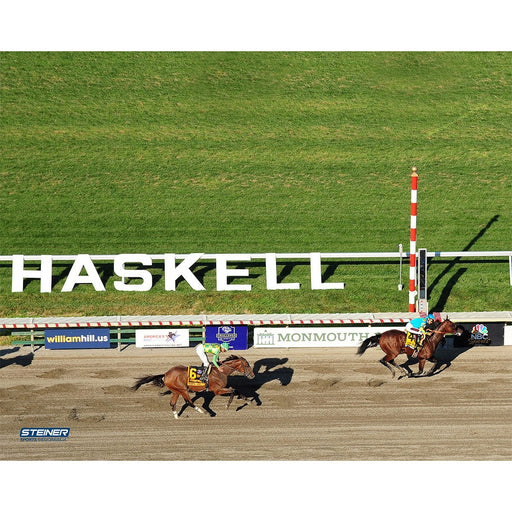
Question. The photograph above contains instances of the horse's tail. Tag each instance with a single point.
(372, 341)
(157, 380)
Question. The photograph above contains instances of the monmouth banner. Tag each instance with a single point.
(312, 337)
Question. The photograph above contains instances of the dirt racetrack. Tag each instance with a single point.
(307, 404)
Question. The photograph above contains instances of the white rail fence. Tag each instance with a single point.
(313, 257)
(342, 319)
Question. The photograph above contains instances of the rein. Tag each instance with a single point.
(227, 364)
(244, 369)
(441, 332)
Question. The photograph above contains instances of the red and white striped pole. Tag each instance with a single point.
(412, 250)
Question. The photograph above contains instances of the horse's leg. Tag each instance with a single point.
(421, 367)
(187, 398)
(389, 365)
(403, 371)
(434, 366)
(389, 362)
(231, 395)
(174, 399)
(391, 347)
(407, 368)
(176, 392)
(224, 391)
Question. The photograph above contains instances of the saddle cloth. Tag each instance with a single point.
(193, 375)
(410, 340)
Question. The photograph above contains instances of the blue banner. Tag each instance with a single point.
(236, 336)
(76, 338)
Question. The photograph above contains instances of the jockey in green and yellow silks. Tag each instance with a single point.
(210, 348)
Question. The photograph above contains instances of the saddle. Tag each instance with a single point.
(194, 374)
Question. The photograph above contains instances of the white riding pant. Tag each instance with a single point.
(202, 355)
(411, 329)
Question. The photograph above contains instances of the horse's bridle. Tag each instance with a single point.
(247, 369)
(446, 333)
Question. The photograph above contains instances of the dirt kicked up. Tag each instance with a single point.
(304, 404)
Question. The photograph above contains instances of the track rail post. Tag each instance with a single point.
(412, 250)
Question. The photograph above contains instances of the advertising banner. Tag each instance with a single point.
(479, 334)
(312, 336)
(162, 338)
(76, 338)
(236, 336)
(507, 335)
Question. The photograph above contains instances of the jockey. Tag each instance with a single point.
(418, 327)
(210, 348)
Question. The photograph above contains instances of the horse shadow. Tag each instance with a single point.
(247, 389)
(22, 360)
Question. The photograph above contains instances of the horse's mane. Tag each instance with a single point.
(232, 357)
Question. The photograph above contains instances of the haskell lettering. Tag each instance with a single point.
(83, 272)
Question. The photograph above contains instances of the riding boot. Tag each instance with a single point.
(416, 348)
(204, 377)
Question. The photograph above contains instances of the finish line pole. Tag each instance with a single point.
(412, 250)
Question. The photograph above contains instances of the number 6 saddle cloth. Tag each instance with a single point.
(194, 374)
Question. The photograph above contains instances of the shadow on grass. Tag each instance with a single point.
(445, 293)
(204, 270)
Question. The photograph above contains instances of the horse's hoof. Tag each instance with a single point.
(198, 409)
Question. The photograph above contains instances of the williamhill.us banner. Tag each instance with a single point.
(76, 338)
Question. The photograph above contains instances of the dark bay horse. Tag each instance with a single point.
(392, 342)
(176, 380)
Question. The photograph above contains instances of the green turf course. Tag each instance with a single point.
(257, 152)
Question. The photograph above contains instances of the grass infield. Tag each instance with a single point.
(109, 153)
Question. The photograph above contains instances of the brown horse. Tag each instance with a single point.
(176, 380)
(392, 342)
